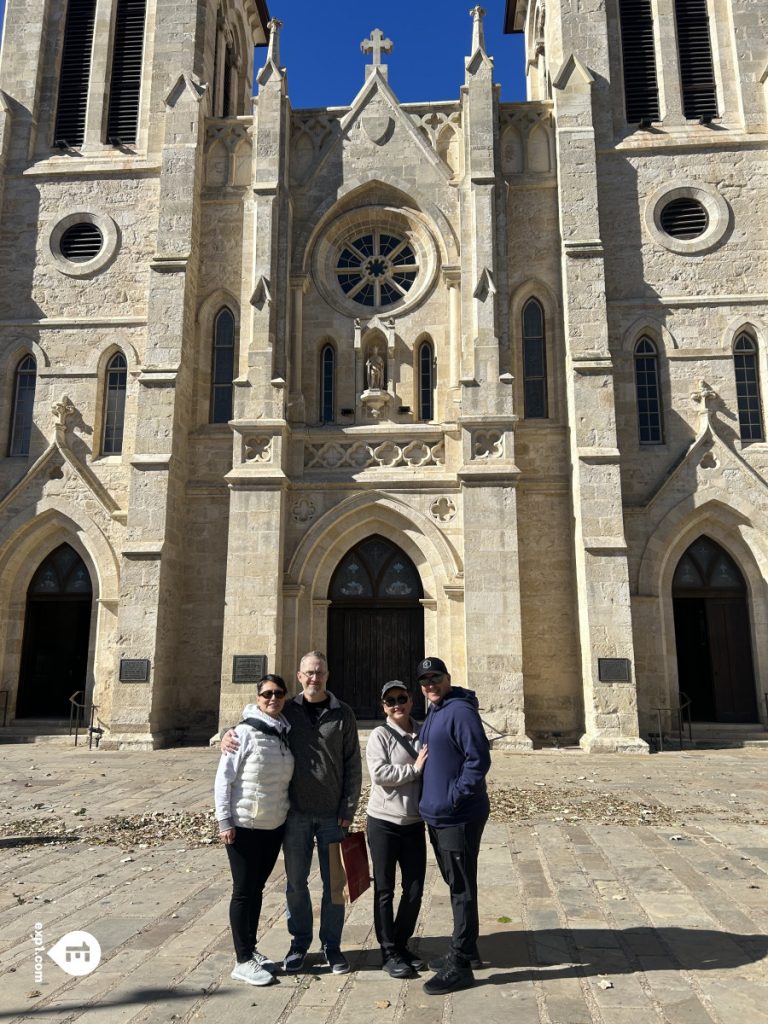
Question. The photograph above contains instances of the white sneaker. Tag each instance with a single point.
(252, 974)
(264, 962)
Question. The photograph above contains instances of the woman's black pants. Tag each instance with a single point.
(392, 845)
(251, 859)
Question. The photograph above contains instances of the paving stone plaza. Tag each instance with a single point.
(588, 914)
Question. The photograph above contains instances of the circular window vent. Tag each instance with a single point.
(684, 218)
(81, 243)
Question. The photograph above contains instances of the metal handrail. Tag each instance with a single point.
(4, 695)
(77, 719)
(683, 709)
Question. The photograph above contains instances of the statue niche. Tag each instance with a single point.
(374, 370)
(375, 396)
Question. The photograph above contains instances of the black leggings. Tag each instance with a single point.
(392, 845)
(251, 859)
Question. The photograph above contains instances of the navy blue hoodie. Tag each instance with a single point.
(459, 758)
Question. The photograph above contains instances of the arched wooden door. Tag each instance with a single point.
(375, 624)
(54, 658)
(712, 634)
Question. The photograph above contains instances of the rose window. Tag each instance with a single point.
(376, 269)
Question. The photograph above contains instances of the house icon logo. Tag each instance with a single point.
(77, 953)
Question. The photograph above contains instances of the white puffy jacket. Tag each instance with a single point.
(251, 789)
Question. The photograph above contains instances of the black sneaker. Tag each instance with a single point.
(336, 960)
(451, 978)
(396, 967)
(412, 959)
(294, 959)
(437, 963)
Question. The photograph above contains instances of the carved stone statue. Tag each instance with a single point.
(374, 370)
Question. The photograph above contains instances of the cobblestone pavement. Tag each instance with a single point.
(586, 919)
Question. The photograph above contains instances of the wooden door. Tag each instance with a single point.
(375, 625)
(369, 646)
(713, 636)
(54, 661)
(730, 649)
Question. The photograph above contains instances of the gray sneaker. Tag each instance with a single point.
(264, 962)
(252, 974)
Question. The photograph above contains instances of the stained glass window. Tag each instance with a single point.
(327, 385)
(23, 406)
(376, 269)
(426, 381)
(62, 573)
(748, 389)
(114, 404)
(534, 362)
(378, 571)
(223, 368)
(706, 565)
(647, 392)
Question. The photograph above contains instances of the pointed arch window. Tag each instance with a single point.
(638, 54)
(534, 362)
(125, 81)
(115, 384)
(328, 384)
(229, 65)
(748, 388)
(223, 366)
(697, 72)
(75, 73)
(647, 392)
(25, 380)
(426, 381)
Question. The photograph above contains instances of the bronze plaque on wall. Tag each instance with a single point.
(248, 668)
(134, 670)
(613, 670)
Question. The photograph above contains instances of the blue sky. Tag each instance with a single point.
(320, 46)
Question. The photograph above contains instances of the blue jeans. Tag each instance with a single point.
(301, 833)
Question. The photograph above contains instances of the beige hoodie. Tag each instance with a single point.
(395, 783)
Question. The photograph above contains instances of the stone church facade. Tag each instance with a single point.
(467, 378)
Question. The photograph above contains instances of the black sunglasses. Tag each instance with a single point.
(392, 701)
(269, 694)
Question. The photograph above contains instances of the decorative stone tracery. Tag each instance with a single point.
(365, 455)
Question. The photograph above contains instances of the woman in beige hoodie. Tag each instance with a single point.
(395, 759)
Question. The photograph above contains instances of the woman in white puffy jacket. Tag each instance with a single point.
(251, 795)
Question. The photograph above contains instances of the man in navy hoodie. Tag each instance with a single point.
(454, 804)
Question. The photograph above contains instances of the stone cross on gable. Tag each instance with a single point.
(376, 45)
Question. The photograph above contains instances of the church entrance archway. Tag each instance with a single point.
(54, 657)
(713, 636)
(375, 624)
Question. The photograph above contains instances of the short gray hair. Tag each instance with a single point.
(313, 654)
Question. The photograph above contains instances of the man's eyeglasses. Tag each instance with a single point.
(393, 701)
(269, 694)
(429, 680)
(314, 672)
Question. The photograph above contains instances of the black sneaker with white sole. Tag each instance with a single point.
(412, 959)
(336, 960)
(294, 960)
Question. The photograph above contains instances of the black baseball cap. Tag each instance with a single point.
(393, 684)
(431, 665)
